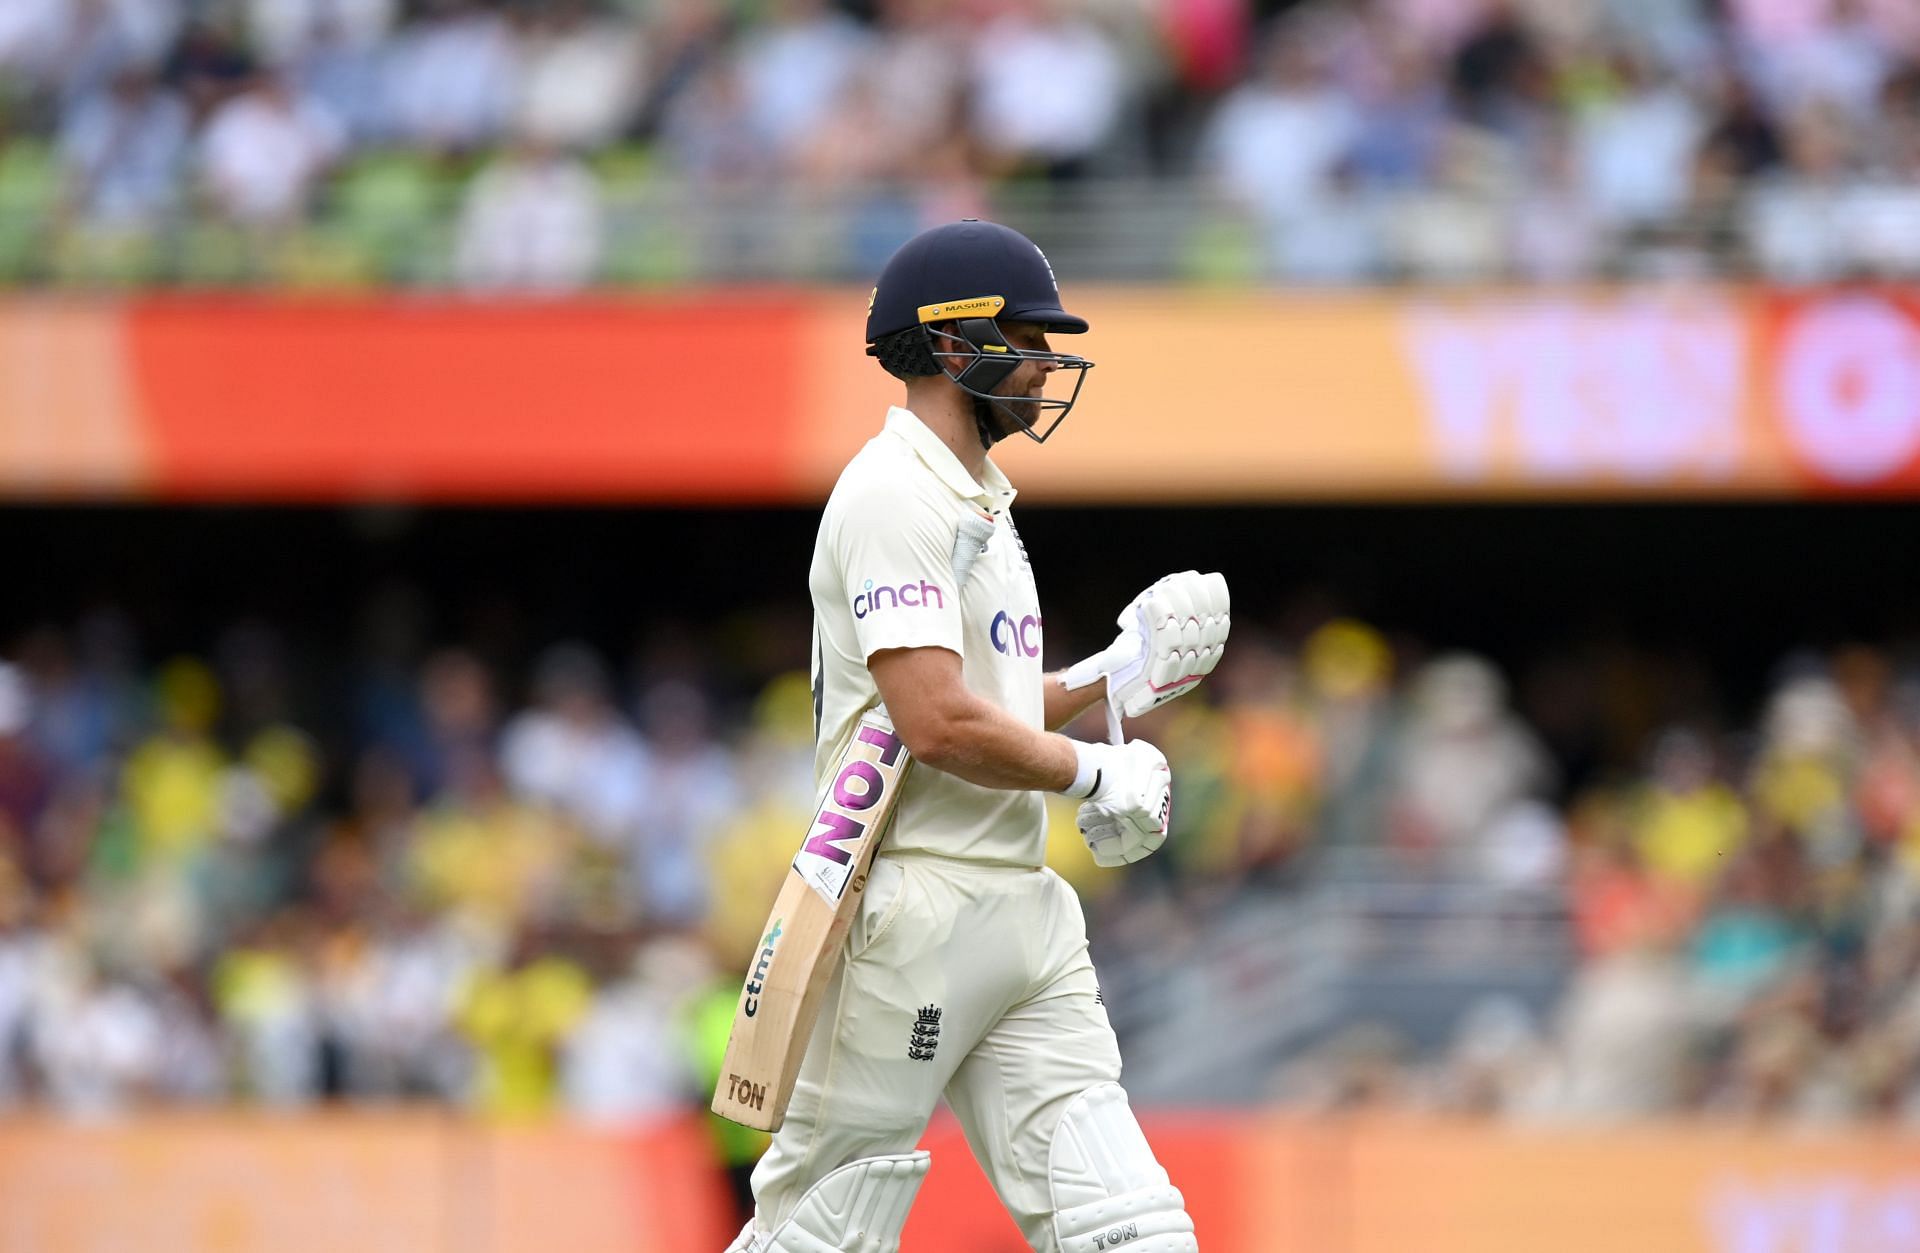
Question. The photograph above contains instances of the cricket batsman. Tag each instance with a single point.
(966, 970)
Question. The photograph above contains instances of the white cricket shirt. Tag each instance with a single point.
(883, 577)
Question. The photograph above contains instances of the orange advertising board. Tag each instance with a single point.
(1290, 1185)
(431, 1183)
(369, 1182)
(1469, 1189)
(577, 398)
(1838, 390)
(760, 396)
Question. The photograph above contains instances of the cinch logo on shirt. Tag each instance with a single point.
(1015, 637)
(923, 595)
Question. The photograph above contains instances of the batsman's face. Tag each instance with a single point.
(1029, 382)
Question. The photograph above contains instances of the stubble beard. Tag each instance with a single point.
(1014, 413)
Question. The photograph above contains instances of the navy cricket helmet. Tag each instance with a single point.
(969, 276)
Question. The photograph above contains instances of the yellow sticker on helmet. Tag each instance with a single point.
(972, 307)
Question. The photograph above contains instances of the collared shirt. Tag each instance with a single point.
(885, 576)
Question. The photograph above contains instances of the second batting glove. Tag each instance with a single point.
(1128, 795)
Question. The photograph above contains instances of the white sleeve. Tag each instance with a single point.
(894, 552)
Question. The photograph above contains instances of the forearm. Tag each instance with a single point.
(983, 744)
(949, 727)
(1063, 706)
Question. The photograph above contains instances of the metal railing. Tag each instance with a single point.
(1274, 974)
(661, 231)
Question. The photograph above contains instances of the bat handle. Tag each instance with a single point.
(1114, 734)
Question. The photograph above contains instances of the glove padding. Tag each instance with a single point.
(1171, 636)
(1125, 816)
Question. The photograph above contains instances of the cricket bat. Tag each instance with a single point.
(801, 947)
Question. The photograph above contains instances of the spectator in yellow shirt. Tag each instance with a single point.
(1687, 826)
(515, 1019)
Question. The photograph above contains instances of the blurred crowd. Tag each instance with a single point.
(435, 873)
(553, 143)
(1742, 901)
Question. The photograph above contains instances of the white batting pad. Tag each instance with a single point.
(1108, 1191)
(859, 1208)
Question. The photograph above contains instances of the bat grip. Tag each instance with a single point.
(1114, 734)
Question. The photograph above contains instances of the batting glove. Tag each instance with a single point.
(1128, 790)
(1171, 636)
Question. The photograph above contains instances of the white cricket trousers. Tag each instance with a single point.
(962, 979)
